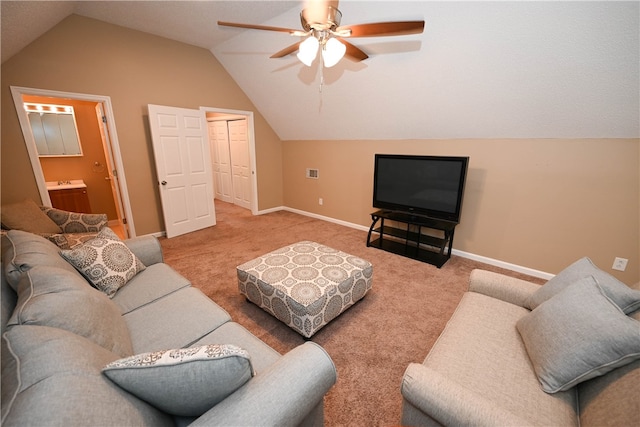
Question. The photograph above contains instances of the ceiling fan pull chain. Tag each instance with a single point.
(321, 74)
(321, 84)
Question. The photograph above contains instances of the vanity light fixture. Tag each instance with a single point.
(47, 108)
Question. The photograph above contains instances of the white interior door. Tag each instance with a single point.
(183, 165)
(221, 160)
(112, 174)
(240, 164)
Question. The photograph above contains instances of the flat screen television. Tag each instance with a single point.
(430, 186)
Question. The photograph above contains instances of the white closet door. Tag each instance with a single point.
(221, 160)
(240, 163)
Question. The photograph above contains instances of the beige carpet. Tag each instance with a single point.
(371, 343)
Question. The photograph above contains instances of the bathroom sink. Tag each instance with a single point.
(65, 185)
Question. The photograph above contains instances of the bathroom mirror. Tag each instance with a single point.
(54, 130)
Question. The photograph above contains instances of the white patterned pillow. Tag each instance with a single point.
(104, 261)
(184, 382)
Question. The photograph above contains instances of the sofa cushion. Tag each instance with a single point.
(481, 350)
(262, 356)
(105, 261)
(156, 281)
(8, 301)
(184, 382)
(22, 250)
(612, 399)
(174, 321)
(578, 334)
(626, 298)
(50, 296)
(27, 216)
(51, 376)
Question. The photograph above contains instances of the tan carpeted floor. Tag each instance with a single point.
(372, 342)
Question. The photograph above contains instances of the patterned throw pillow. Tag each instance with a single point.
(59, 239)
(105, 262)
(75, 222)
(186, 381)
(71, 240)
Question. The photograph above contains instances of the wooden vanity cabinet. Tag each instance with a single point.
(72, 199)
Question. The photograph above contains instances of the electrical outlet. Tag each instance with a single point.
(320, 201)
(620, 264)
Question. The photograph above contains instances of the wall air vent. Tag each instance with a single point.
(313, 173)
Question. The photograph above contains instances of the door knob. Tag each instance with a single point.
(164, 183)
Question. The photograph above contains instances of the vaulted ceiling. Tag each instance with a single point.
(479, 70)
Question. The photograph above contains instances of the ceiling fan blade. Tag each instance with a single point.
(354, 53)
(286, 51)
(399, 28)
(257, 27)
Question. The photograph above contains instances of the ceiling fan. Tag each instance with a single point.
(320, 21)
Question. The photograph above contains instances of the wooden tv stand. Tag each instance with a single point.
(410, 241)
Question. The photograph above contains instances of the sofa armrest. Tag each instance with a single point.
(449, 403)
(282, 395)
(505, 288)
(146, 248)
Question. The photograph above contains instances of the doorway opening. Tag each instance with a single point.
(232, 143)
(99, 167)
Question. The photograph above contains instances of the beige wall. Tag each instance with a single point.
(134, 69)
(540, 204)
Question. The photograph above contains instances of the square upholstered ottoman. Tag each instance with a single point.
(305, 285)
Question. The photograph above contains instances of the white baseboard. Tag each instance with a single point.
(502, 264)
(326, 218)
(270, 210)
(463, 254)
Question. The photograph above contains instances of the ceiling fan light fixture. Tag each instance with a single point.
(308, 50)
(320, 17)
(332, 52)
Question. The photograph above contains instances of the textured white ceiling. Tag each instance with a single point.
(192, 22)
(480, 69)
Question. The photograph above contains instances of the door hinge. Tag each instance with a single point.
(124, 220)
(104, 119)
(114, 172)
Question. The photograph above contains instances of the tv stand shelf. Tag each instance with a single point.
(409, 241)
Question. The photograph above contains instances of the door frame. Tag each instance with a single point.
(252, 149)
(113, 145)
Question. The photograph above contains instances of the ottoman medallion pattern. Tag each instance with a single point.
(305, 285)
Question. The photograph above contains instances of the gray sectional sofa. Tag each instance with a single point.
(59, 334)
(518, 354)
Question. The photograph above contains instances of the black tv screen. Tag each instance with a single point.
(431, 186)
